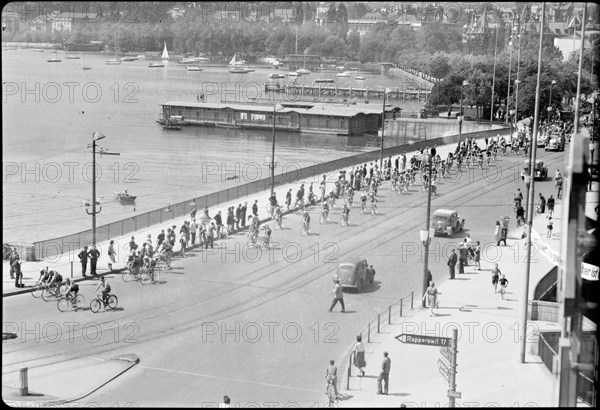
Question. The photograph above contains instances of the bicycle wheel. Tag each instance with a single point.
(37, 291)
(95, 305)
(112, 301)
(127, 276)
(63, 305)
(48, 294)
(146, 279)
(322, 219)
(79, 301)
(156, 275)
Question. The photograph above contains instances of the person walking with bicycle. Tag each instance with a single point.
(331, 377)
(104, 288)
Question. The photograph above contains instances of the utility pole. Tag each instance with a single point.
(273, 155)
(531, 192)
(494, 79)
(427, 240)
(382, 131)
(578, 97)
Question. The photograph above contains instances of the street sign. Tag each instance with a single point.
(444, 370)
(446, 353)
(424, 340)
(454, 394)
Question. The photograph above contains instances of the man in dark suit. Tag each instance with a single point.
(462, 257)
(244, 210)
(238, 216)
(93, 254)
(452, 262)
(83, 257)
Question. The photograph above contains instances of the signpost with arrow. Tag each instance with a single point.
(449, 350)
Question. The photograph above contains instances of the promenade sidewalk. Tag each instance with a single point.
(68, 264)
(65, 382)
(489, 371)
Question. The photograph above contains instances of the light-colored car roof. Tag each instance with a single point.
(445, 212)
(352, 260)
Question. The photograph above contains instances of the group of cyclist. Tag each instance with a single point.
(51, 278)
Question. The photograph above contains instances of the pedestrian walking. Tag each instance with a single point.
(219, 222)
(452, 263)
(94, 254)
(384, 374)
(83, 258)
(132, 244)
(550, 205)
(244, 210)
(111, 255)
(331, 375)
(238, 217)
(359, 356)
(193, 229)
(338, 296)
(432, 297)
(503, 284)
(255, 208)
(210, 235)
(462, 257)
(13, 257)
(495, 277)
(549, 226)
(193, 209)
(477, 256)
(542, 205)
(226, 403)
(160, 238)
(16, 267)
(288, 199)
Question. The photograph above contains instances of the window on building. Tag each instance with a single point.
(258, 117)
(243, 116)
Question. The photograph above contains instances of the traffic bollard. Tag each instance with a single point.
(390, 315)
(23, 389)
(378, 321)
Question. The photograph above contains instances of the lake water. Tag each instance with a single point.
(51, 110)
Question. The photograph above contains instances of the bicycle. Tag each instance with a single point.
(363, 207)
(344, 220)
(132, 272)
(278, 221)
(304, 229)
(149, 275)
(373, 208)
(224, 232)
(331, 395)
(52, 291)
(324, 217)
(38, 288)
(97, 302)
(163, 261)
(68, 300)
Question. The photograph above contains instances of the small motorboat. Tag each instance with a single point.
(55, 59)
(276, 75)
(72, 57)
(156, 65)
(128, 58)
(172, 126)
(124, 197)
(193, 68)
(113, 61)
(344, 74)
(227, 125)
(359, 77)
(293, 74)
(238, 70)
(303, 71)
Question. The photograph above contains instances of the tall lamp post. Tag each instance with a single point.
(428, 232)
(550, 100)
(387, 90)
(273, 163)
(517, 80)
(494, 79)
(96, 136)
(460, 114)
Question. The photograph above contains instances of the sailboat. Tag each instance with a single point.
(114, 61)
(237, 66)
(55, 59)
(303, 70)
(84, 67)
(165, 53)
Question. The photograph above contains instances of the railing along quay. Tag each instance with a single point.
(374, 327)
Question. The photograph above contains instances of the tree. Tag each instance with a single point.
(353, 45)
(342, 17)
(438, 65)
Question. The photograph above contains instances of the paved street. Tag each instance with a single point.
(257, 327)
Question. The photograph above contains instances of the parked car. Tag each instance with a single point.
(541, 172)
(355, 273)
(447, 222)
(556, 142)
(542, 140)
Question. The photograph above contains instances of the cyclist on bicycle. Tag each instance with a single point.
(72, 290)
(56, 278)
(518, 197)
(306, 221)
(503, 284)
(363, 201)
(325, 210)
(373, 202)
(350, 195)
(345, 213)
(45, 276)
(103, 287)
(278, 215)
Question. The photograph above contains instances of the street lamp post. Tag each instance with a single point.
(460, 114)
(382, 130)
(508, 91)
(517, 80)
(273, 155)
(494, 80)
(428, 232)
